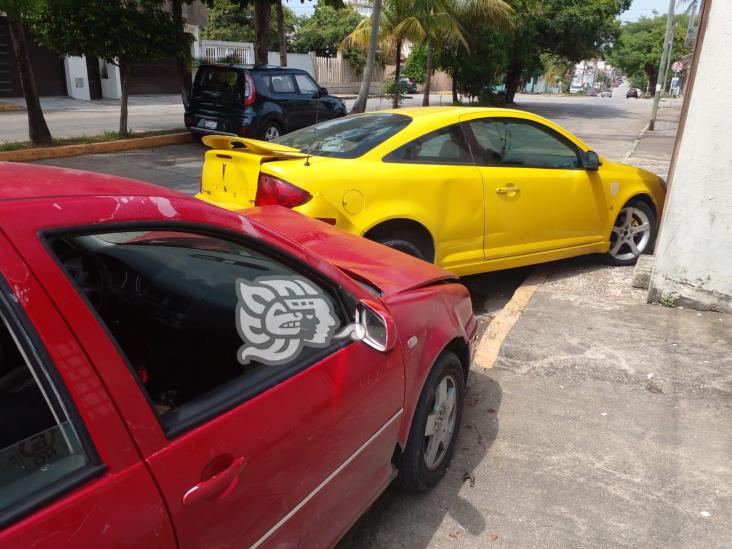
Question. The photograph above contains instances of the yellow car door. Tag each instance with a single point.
(538, 196)
(448, 189)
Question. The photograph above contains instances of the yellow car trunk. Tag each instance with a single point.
(231, 169)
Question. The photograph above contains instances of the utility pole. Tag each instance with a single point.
(668, 61)
(667, 41)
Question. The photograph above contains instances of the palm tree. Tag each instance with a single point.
(368, 71)
(433, 21)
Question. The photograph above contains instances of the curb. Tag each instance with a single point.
(490, 344)
(10, 107)
(26, 155)
(630, 152)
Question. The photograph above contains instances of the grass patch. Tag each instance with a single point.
(85, 139)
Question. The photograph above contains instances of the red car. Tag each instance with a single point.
(177, 375)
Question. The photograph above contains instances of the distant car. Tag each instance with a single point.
(177, 375)
(607, 93)
(632, 92)
(408, 84)
(592, 92)
(262, 103)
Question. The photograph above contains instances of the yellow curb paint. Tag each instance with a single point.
(26, 155)
(492, 340)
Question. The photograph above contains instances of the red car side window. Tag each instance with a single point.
(38, 443)
(174, 303)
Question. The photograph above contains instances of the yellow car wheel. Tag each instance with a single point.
(633, 233)
(406, 237)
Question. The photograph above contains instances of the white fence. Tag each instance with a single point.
(213, 51)
(334, 72)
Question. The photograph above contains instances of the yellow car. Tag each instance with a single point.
(470, 189)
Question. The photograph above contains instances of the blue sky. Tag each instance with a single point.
(637, 9)
(641, 8)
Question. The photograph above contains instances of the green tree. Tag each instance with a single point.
(571, 29)
(435, 21)
(638, 48)
(19, 12)
(325, 29)
(472, 74)
(231, 23)
(120, 31)
(416, 65)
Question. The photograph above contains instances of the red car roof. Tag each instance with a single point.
(22, 181)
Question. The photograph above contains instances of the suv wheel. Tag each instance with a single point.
(271, 131)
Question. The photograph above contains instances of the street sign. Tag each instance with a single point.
(678, 66)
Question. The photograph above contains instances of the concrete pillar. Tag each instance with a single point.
(694, 250)
(77, 79)
(111, 80)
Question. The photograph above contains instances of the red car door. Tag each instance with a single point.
(70, 475)
(285, 451)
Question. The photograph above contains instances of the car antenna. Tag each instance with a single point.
(310, 144)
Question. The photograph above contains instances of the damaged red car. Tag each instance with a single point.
(177, 375)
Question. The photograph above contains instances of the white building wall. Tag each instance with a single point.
(77, 80)
(694, 251)
(111, 80)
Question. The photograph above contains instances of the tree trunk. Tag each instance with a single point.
(262, 14)
(397, 73)
(124, 69)
(37, 128)
(181, 59)
(455, 98)
(427, 82)
(652, 74)
(368, 71)
(513, 78)
(282, 39)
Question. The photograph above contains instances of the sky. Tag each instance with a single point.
(637, 9)
(640, 8)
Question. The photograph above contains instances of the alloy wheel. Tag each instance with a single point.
(272, 132)
(440, 425)
(630, 235)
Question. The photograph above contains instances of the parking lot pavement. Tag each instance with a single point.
(175, 166)
(605, 423)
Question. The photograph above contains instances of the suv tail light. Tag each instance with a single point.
(275, 192)
(250, 94)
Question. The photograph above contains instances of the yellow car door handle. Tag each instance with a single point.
(506, 190)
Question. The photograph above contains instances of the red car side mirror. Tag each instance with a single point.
(375, 326)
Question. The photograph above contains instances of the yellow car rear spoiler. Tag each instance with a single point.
(253, 146)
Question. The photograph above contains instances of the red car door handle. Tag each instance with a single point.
(226, 480)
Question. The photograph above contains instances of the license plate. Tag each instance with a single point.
(210, 124)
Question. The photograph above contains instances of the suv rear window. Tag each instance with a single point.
(348, 137)
(214, 78)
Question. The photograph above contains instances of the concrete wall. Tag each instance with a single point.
(304, 61)
(694, 251)
(77, 79)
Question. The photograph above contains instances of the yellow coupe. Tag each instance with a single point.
(470, 189)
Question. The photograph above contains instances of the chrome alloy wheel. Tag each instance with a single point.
(440, 425)
(272, 132)
(630, 235)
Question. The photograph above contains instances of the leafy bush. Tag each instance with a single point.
(416, 65)
(389, 88)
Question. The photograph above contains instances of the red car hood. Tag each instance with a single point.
(389, 270)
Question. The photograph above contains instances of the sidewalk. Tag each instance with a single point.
(617, 429)
(653, 149)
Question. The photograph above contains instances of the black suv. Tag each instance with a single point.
(258, 102)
